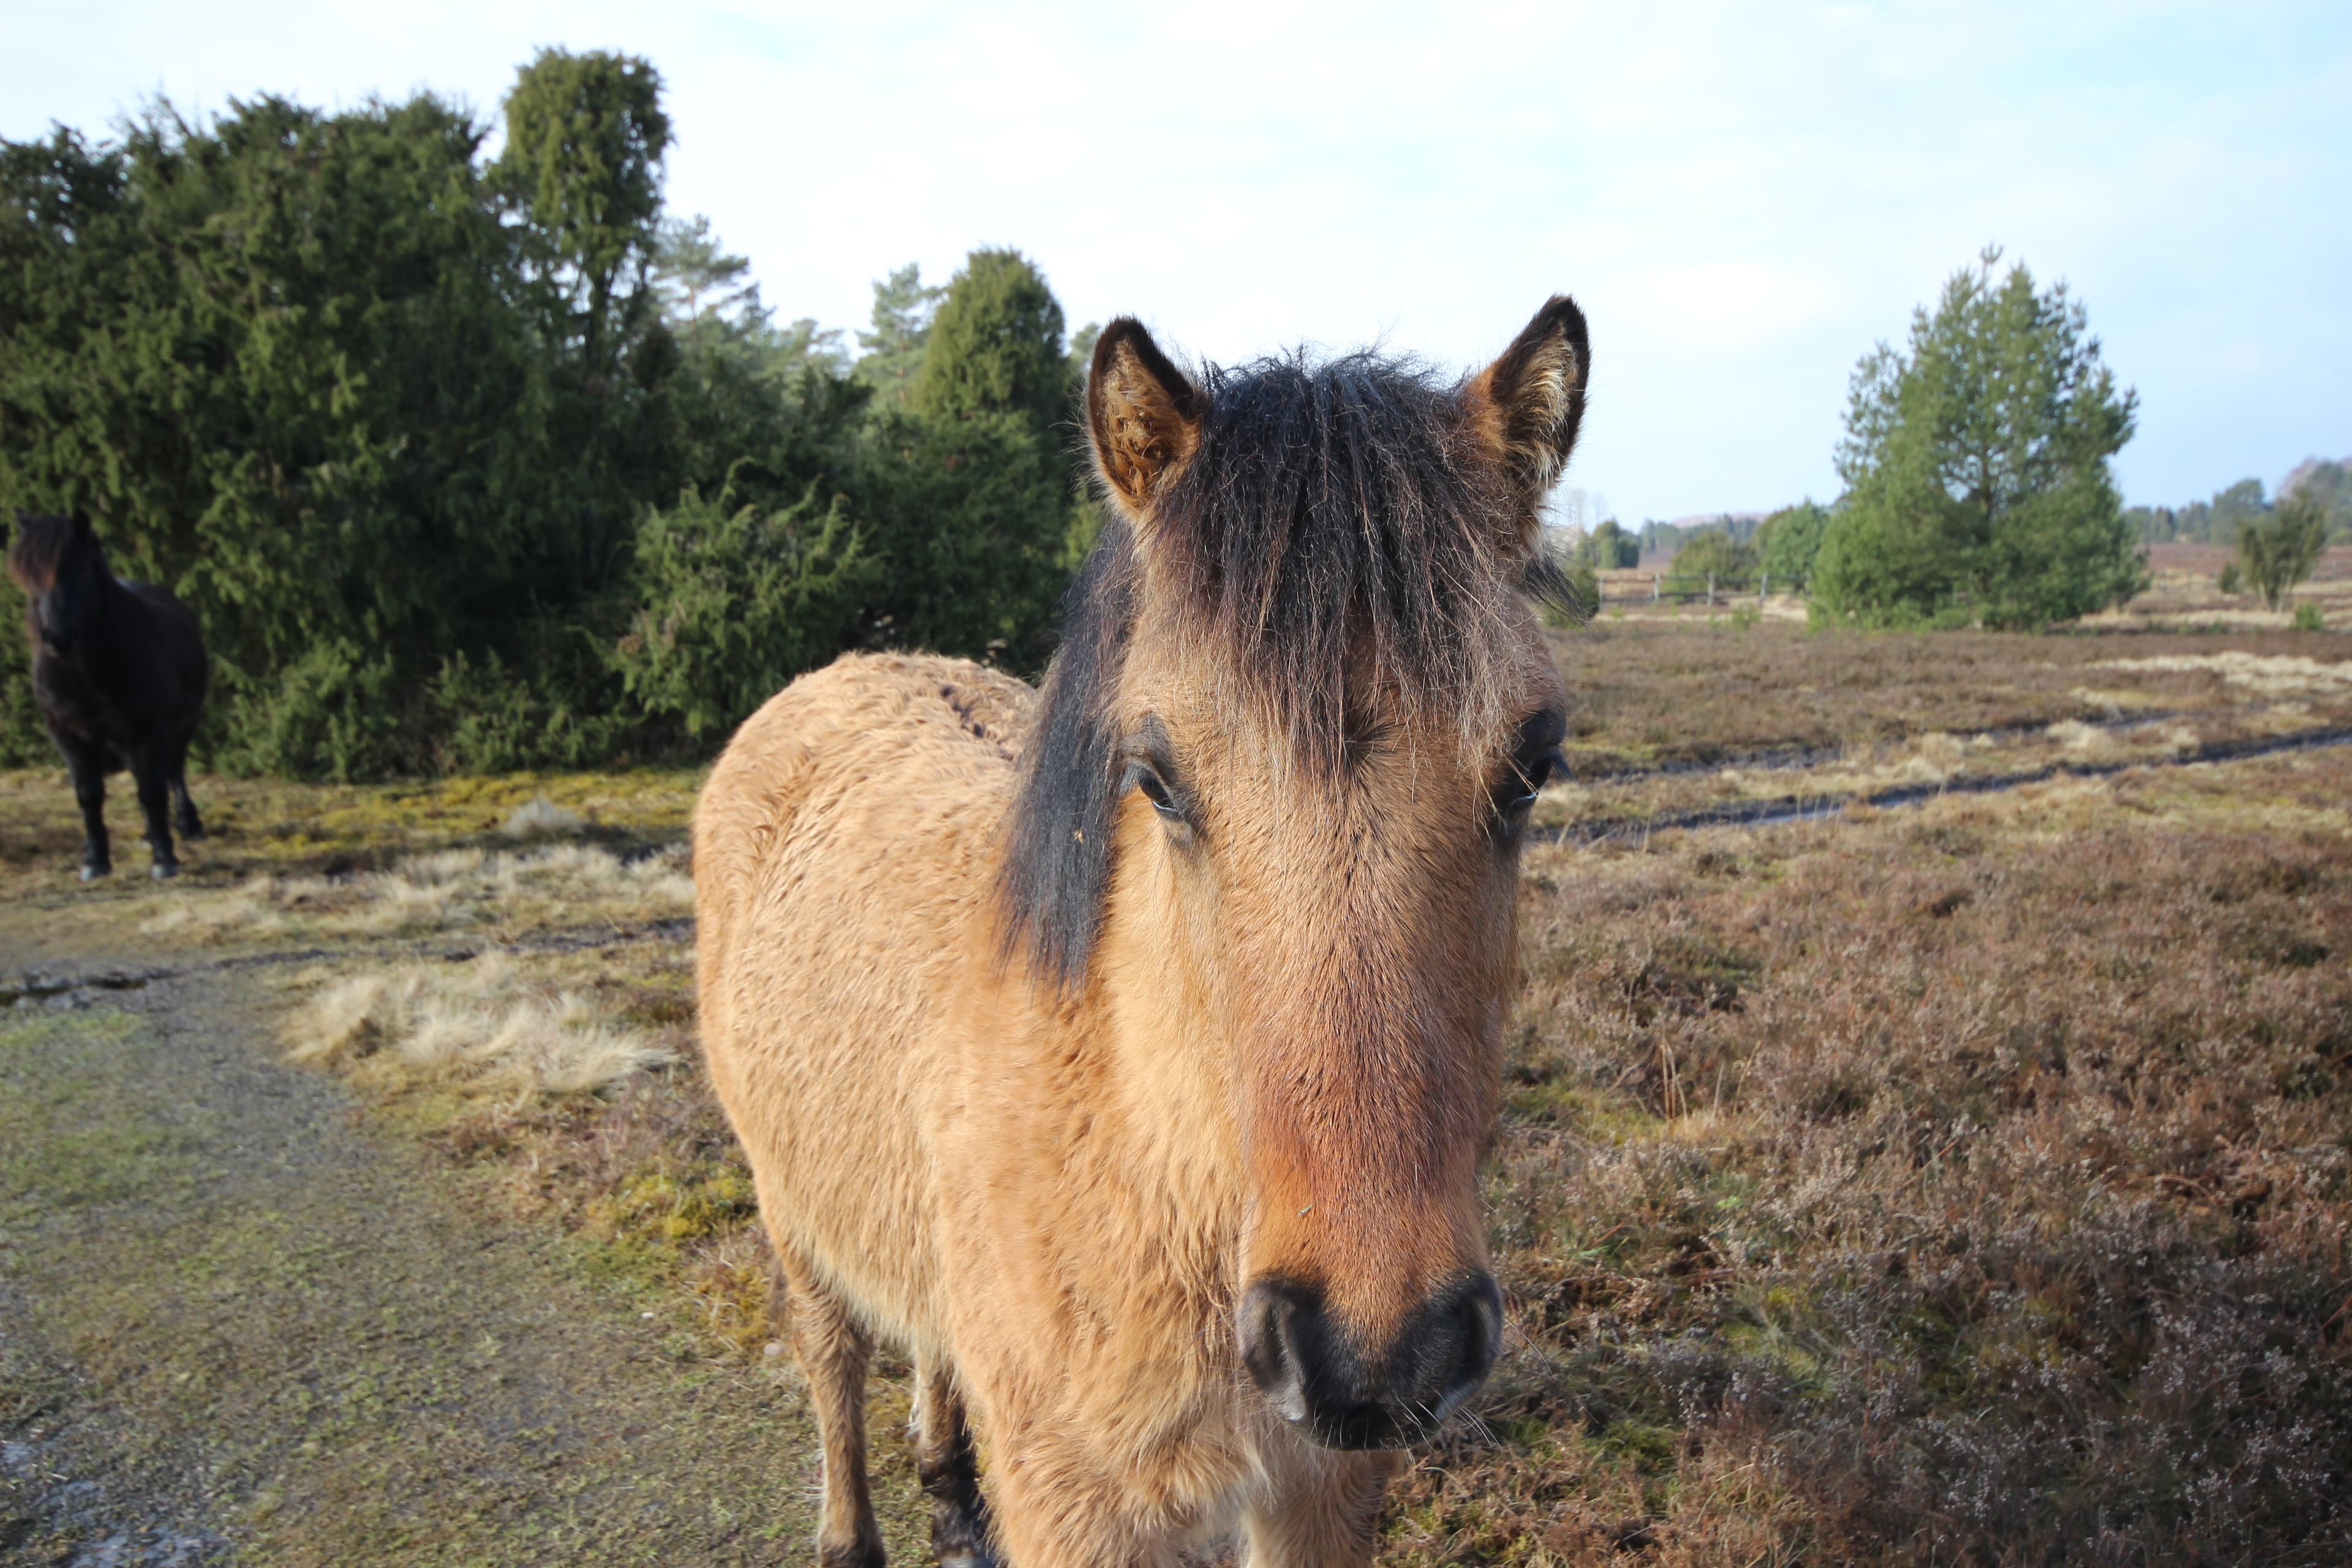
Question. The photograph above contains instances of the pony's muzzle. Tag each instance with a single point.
(1343, 1394)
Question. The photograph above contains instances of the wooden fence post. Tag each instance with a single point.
(1654, 587)
(1710, 590)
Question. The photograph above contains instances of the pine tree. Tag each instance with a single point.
(892, 346)
(995, 347)
(973, 486)
(1975, 467)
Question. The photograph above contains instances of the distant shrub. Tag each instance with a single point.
(2307, 617)
(2232, 579)
(483, 716)
(1610, 548)
(1787, 542)
(2278, 551)
(23, 742)
(1713, 552)
(330, 713)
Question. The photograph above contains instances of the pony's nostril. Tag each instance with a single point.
(1481, 1316)
(1268, 1348)
(1445, 1363)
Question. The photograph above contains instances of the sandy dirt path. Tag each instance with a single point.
(237, 1325)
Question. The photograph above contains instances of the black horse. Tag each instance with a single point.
(119, 673)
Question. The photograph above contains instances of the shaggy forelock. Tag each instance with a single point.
(1340, 523)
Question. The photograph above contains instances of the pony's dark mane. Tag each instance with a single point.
(1057, 840)
(1336, 520)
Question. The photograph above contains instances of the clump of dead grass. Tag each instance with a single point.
(445, 890)
(2083, 740)
(2267, 675)
(480, 1022)
(539, 815)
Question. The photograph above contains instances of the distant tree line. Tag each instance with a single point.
(472, 464)
(2326, 485)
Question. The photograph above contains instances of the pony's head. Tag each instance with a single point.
(58, 563)
(1272, 811)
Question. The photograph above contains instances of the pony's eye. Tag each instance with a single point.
(1155, 790)
(1529, 775)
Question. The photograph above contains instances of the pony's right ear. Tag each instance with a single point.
(1143, 415)
(82, 520)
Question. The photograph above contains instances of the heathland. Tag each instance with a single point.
(1958, 1178)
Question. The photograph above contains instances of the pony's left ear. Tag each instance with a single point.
(1526, 406)
(82, 520)
(1143, 415)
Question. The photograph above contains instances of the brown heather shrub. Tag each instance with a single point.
(1947, 1188)
(1675, 691)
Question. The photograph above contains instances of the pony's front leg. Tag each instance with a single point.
(150, 771)
(87, 763)
(1321, 1510)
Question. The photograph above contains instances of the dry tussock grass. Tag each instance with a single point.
(483, 1022)
(1967, 1185)
(2271, 675)
(450, 890)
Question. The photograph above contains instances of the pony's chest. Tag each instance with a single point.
(73, 702)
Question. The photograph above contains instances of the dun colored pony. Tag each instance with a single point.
(119, 672)
(1125, 1050)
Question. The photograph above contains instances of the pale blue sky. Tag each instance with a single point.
(1743, 197)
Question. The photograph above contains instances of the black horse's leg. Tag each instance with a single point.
(190, 825)
(150, 762)
(87, 763)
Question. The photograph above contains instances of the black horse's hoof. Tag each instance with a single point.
(165, 870)
(192, 829)
(91, 873)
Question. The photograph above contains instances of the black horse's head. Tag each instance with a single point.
(58, 563)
